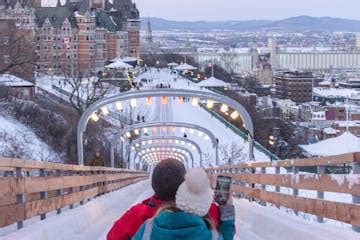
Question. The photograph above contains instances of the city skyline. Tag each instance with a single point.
(246, 10)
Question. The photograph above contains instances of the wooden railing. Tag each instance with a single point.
(31, 188)
(263, 181)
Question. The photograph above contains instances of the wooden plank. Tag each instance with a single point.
(38, 207)
(343, 212)
(307, 162)
(11, 185)
(11, 214)
(30, 164)
(340, 183)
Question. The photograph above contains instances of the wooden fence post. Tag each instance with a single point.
(71, 190)
(20, 198)
(59, 191)
(356, 198)
(263, 186)
(320, 194)
(277, 188)
(43, 195)
(295, 190)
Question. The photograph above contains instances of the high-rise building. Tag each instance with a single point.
(358, 41)
(264, 69)
(272, 46)
(294, 85)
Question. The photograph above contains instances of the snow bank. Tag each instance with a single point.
(17, 140)
(345, 143)
(255, 222)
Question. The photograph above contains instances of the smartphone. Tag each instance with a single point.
(222, 189)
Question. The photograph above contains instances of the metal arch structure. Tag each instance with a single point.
(140, 126)
(200, 95)
(162, 148)
(161, 152)
(165, 124)
(167, 138)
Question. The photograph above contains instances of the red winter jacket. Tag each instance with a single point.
(126, 227)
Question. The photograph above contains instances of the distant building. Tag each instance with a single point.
(19, 87)
(265, 72)
(351, 83)
(272, 46)
(79, 36)
(294, 85)
(357, 44)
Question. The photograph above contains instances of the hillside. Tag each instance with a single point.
(300, 23)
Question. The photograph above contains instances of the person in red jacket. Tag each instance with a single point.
(166, 178)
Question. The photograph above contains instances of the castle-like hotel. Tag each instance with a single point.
(78, 35)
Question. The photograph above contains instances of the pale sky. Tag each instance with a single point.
(247, 9)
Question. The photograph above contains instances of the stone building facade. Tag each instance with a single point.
(79, 37)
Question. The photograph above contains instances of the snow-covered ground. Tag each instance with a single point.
(17, 140)
(253, 222)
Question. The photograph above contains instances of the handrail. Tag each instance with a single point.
(31, 188)
(263, 181)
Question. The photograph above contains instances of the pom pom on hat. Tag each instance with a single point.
(195, 194)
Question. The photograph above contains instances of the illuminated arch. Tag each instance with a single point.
(195, 95)
(177, 141)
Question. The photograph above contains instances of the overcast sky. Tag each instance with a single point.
(247, 9)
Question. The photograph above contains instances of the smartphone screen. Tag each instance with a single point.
(222, 189)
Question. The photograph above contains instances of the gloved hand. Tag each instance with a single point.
(227, 211)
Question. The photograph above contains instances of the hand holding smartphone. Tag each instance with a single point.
(222, 189)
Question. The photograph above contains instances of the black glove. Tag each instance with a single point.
(227, 212)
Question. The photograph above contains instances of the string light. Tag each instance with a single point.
(104, 110)
(195, 102)
(119, 106)
(210, 104)
(234, 115)
(164, 100)
(133, 102)
(224, 108)
(149, 101)
(94, 117)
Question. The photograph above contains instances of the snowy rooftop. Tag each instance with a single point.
(124, 59)
(335, 92)
(173, 64)
(330, 130)
(185, 66)
(212, 82)
(119, 64)
(345, 143)
(348, 123)
(14, 81)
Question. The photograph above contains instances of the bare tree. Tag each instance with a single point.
(228, 58)
(232, 154)
(18, 50)
(84, 91)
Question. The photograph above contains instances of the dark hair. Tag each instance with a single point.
(166, 179)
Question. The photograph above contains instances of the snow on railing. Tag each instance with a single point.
(257, 180)
(31, 188)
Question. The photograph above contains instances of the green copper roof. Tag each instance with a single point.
(56, 15)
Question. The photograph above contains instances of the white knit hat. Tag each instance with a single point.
(195, 194)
